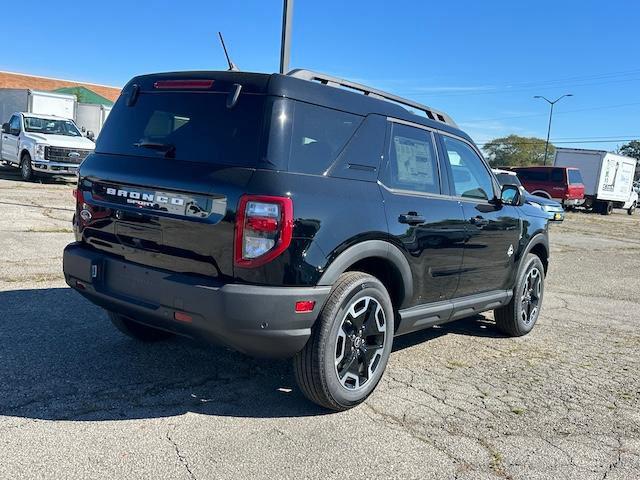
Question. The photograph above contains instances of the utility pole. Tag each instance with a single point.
(552, 103)
(285, 48)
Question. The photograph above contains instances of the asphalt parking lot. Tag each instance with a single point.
(79, 400)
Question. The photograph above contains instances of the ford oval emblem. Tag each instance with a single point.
(74, 155)
(85, 215)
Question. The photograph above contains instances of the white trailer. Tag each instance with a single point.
(607, 177)
(37, 102)
(90, 117)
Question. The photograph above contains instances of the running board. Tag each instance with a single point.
(425, 316)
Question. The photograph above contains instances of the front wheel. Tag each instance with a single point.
(350, 344)
(26, 171)
(632, 209)
(519, 316)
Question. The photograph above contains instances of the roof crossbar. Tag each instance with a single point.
(371, 92)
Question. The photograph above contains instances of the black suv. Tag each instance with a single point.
(297, 216)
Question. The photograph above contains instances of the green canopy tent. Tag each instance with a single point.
(84, 95)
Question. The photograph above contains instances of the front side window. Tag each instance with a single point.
(471, 179)
(14, 124)
(412, 161)
(557, 175)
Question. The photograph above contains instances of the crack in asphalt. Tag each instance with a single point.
(181, 457)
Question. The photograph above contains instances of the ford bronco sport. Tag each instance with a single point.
(298, 216)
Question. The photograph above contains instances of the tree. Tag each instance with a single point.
(632, 149)
(517, 151)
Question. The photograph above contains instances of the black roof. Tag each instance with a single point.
(299, 89)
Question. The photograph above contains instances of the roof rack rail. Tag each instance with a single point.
(371, 92)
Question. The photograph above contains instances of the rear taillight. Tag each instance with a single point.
(264, 226)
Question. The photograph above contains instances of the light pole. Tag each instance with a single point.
(285, 46)
(552, 103)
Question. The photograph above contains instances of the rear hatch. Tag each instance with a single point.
(575, 184)
(170, 164)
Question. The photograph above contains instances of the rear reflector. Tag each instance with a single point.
(305, 306)
(183, 84)
(182, 317)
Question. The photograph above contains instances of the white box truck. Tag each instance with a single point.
(607, 178)
(37, 102)
(90, 117)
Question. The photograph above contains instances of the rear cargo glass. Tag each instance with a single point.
(186, 126)
(575, 177)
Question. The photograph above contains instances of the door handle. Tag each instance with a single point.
(479, 221)
(411, 218)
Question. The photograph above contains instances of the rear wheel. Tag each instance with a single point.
(521, 314)
(137, 330)
(26, 171)
(605, 208)
(350, 344)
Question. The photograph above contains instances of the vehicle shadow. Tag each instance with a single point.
(11, 173)
(60, 359)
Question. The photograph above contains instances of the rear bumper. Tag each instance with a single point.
(256, 320)
(572, 202)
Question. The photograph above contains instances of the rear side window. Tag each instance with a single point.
(186, 126)
(557, 175)
(534, 175)
(317, 137)
(412, 161)
(575, 177)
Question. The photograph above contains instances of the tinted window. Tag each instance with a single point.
(189, 126)
(534, 175)
(412, 161)
(14, 123)
(575, 176)
(557, 175)
(506, 179)
(471, 178)
(318, 136)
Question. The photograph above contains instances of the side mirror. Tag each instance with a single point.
(511, 195)
(5, 128)
(90, 135)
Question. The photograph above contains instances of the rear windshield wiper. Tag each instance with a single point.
(168, 149)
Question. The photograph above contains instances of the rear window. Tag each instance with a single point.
(186, 126)
(575, 177)
(506, 179)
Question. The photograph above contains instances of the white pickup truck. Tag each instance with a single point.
(43, 144)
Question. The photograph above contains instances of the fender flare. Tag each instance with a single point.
(369, 249)
(538, 239)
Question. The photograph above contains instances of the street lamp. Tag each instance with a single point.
(552, 103)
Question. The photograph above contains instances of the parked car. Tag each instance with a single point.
(561, 184)
(43, 144)
(608, 178)
(299, 216)
(552, 209)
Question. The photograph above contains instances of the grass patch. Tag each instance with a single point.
(50, 230)
(517, 410)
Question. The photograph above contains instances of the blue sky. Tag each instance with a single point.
(480, 61)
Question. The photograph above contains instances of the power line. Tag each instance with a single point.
(563, 112)
(526, 87)
(618, 140)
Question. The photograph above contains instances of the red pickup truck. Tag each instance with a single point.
(562, 184)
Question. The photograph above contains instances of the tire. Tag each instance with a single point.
(606, 208)
(518, 318)
(324, 369)
(26, 172)
(137, 330)
(632, 208)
